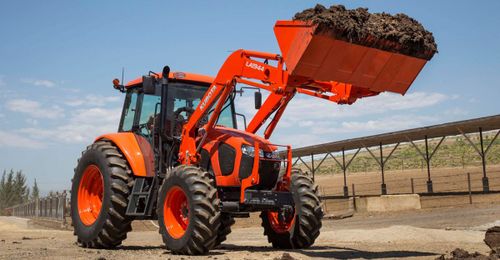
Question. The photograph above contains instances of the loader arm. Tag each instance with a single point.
(242, 66)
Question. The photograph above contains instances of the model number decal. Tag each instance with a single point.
(254, 66)
(207, 98)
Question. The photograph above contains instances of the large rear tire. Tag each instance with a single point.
(300, 228)
(188, 211)
(99, 196)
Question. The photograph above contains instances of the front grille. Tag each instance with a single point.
(246, 166)
(269, 171)
(268, 174)
(227, 155)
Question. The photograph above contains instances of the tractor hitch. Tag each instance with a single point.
(257, 200)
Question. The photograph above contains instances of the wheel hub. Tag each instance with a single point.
(90, 193)
(176, 212)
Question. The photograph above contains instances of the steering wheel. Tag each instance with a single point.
(180, 120)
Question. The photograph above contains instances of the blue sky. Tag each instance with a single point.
(57, 60)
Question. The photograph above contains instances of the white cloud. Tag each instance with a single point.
(91, 101)
(456, 111)
(314, 115)
(31, 121)
(40, 82)
(34, 109)
(323, 131)
(373, 105)
(385, 124)
(84, 125)
(14, 140)
(307, 110)
(303, 138)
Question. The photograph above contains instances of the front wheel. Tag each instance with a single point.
(226, 221)
(297, 228)
(188, 211)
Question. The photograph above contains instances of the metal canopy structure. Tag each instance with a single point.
(448, 129)
(478, 125)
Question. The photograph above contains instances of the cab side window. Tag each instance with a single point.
(129, 112)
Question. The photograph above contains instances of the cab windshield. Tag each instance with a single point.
(141, 109)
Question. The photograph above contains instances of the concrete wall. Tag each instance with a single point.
(388, 203)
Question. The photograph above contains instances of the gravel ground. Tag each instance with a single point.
(423, 234)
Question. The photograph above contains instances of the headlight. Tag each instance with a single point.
(248, 150)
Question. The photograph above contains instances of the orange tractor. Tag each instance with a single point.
(179, 157)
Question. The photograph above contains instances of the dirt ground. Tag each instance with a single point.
(423, 234)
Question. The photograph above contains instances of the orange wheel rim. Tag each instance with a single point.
(176, 212)
(281, 224)
(90, 192)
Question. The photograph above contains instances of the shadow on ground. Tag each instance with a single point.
(334, 252)
(135, 248)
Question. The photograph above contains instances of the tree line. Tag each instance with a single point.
(14, 190)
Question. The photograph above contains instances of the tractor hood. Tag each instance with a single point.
(236, 138)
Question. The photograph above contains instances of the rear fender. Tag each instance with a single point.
(137, 151)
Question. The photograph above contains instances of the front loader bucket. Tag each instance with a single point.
(311, 54)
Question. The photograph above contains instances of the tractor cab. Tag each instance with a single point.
(142, 105)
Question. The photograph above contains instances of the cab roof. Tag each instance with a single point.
(184, 76)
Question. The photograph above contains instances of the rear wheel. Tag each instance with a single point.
(297, 228)
(188, 211)
(99, 197)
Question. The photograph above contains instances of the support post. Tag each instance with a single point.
(470, 191)
(412, 187)
(482, 153)
(344, 169)
(312, 166)
(486, 185)
(353, 196)
(428, 162)
(382, 186)
(345, 165)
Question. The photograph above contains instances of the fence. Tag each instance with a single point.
(451, 188)
(53, 207)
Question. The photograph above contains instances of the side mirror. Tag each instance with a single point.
(258, 100)
(149, 85)
(165, 72)
(164, 76)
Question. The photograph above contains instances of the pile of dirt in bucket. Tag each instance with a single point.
(395, 33)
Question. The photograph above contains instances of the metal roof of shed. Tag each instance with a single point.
(447, 129)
